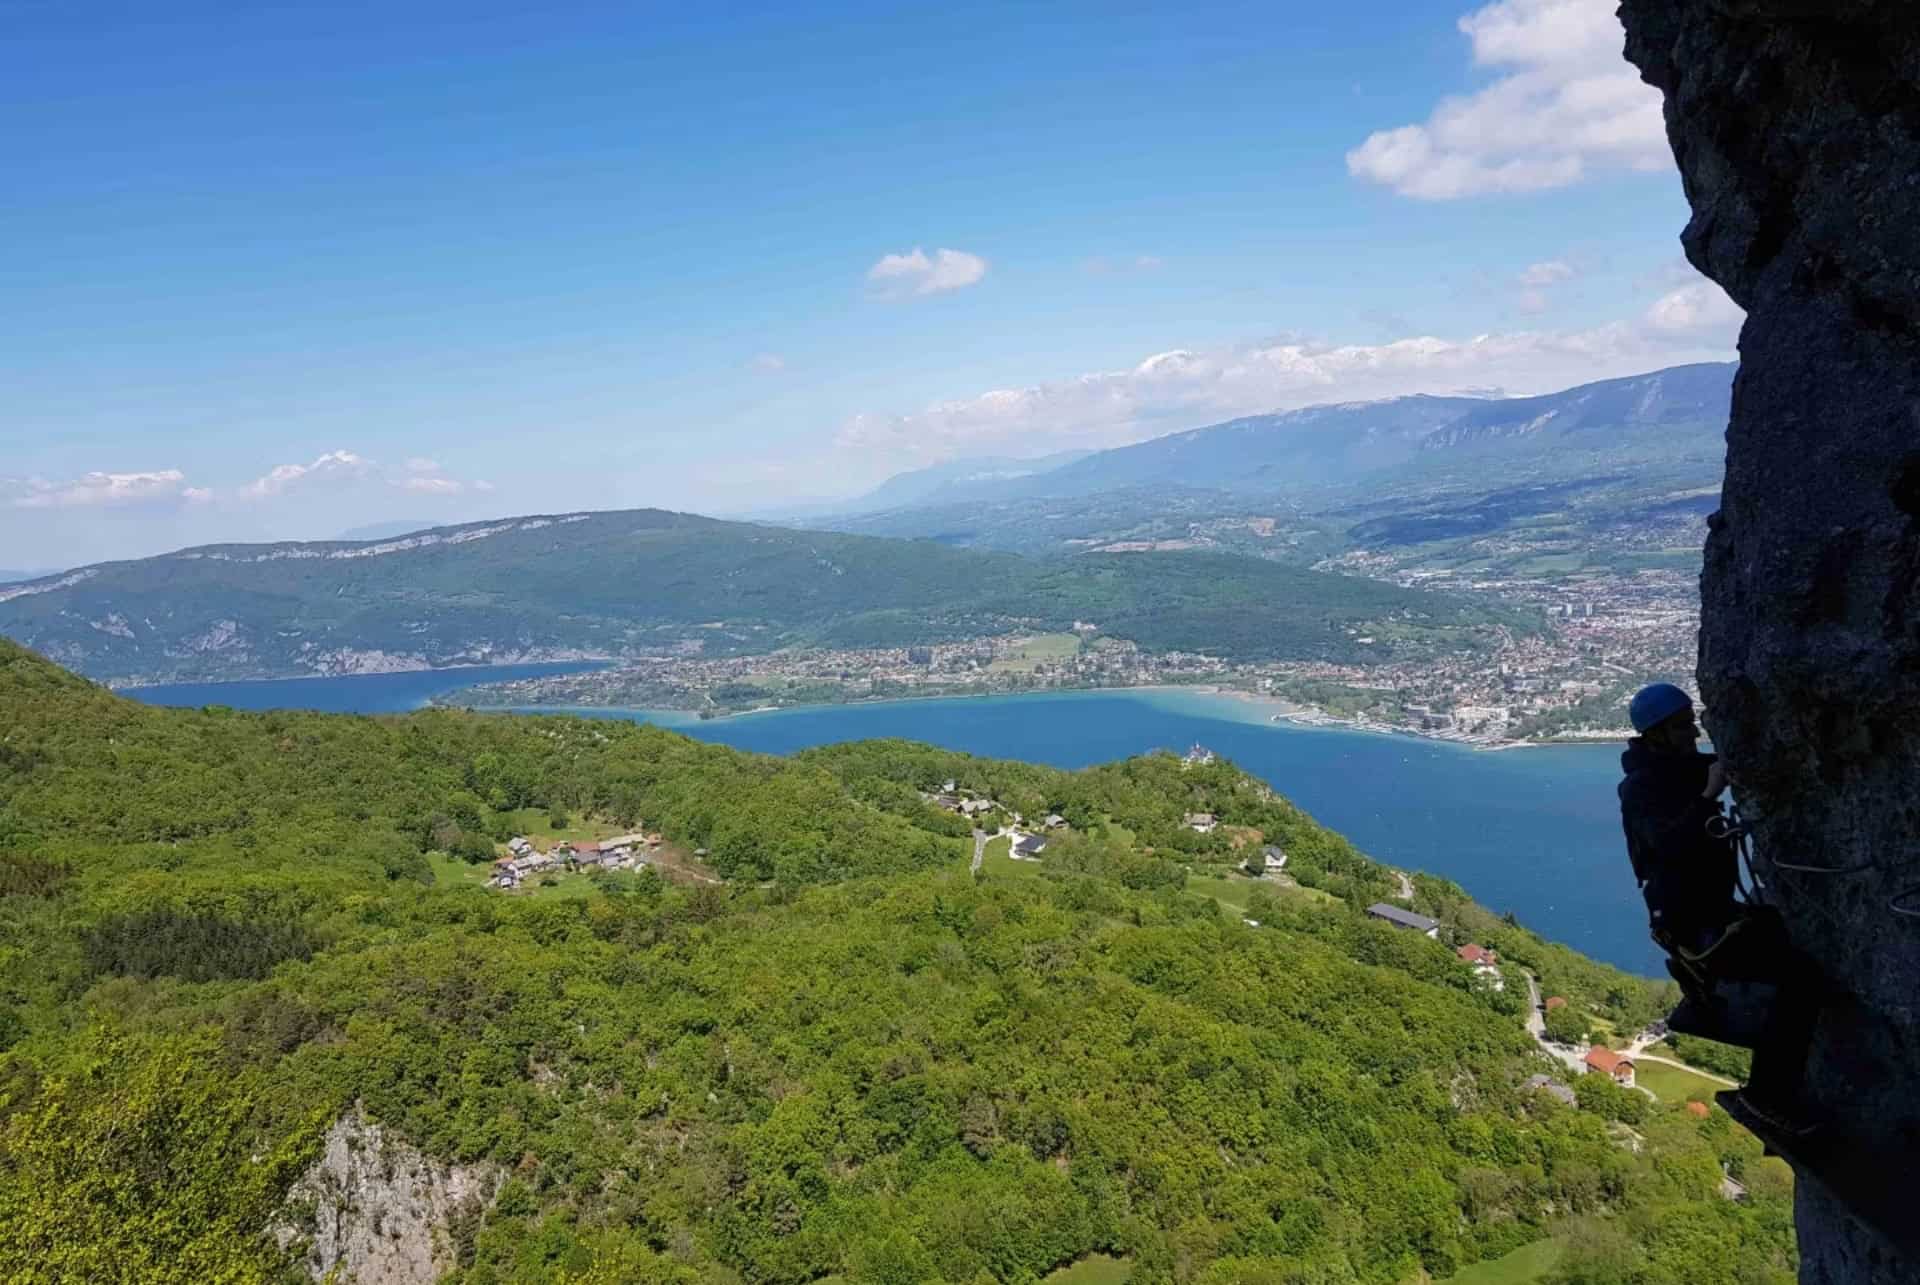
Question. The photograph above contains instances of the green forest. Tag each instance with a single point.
(850, 1061)
(621, 583)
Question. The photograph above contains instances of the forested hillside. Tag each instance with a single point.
(613, 584)
(223, 936)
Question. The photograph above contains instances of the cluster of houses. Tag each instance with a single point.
(1198, 756)
(623, 852)
(1026, 846)
(964, 802)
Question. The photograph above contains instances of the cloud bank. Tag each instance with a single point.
(1567, 105)
(419, 476)
(106, 490)
(917, 273)
(333, 467)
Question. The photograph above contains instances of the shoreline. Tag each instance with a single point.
(1290, 715)
(586, 664)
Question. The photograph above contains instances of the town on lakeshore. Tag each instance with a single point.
(1603, 636)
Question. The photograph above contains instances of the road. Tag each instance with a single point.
(1537, 1027)
(979, 850)
(1576, 1061)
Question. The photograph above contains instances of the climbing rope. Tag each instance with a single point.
(1734, 831)
(1733, 828)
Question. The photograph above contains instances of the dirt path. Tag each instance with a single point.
(979, 850)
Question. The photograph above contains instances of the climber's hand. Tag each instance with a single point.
(1716, 781)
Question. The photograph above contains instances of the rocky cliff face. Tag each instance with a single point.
(1797, 127)
(373, 1210)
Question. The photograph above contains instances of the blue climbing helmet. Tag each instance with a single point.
(1655, 704)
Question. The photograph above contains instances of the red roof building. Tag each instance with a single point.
(1555, 1001)
(1698, 1109)
(1611, 1063)
(1477, 955)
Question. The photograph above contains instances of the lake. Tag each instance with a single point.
(1534, 831)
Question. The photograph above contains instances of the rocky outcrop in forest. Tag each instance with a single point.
(1796, 126)
(374, 1210)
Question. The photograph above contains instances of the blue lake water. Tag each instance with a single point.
(1534, 831)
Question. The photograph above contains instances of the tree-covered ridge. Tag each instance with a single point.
(221, 933)
(613, 584)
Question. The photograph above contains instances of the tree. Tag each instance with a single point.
(1567, 1025)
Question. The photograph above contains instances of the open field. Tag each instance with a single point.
(1523, 1266)
(1671, 1084)
(1232, 891)
(532, 822)
(1037, 651)
(1094, 1269)
(451, 872)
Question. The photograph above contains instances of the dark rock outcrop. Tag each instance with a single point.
(1796, 124)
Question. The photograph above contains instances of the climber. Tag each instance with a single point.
(1688, 869)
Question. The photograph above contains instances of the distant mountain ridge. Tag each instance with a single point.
(957, 481)
(562, 586)
(1345, 442)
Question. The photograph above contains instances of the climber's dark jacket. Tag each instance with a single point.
(1687, 876)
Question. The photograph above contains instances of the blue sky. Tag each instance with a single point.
(276, 271)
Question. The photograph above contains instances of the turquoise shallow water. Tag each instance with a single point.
(1533, 831)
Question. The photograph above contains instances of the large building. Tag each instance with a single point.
(1405, 919)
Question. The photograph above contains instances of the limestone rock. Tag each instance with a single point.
(373, 1210)
(1796, 124)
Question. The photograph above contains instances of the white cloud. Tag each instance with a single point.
(96, 490)
(768, 363)
(430, 485)
(917, 273)
(1101, 266)
(1187, 388)
(426, 477)
(333, 467)
(1537, 282)
(1551, 273)
(1568, 104)
(1701, 309)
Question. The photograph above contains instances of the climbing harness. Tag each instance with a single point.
(1732, 829)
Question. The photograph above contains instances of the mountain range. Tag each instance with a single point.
(1294, 487)
(624, 583)
(1656, 414)
(1605, 456)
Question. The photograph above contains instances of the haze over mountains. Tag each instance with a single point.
(1289, 489)
(1656, 413)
